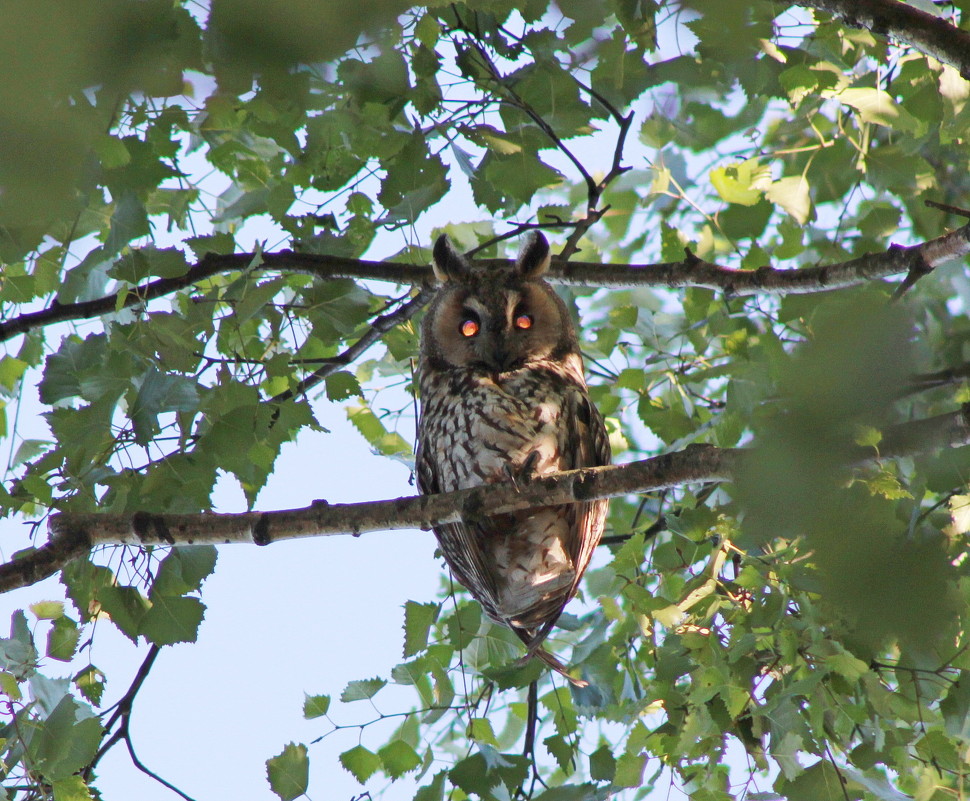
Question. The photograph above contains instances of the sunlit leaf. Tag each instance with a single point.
(792, 194)
(743, 182)
(47, 610)
(71, 788)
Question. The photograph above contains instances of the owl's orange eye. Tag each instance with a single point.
(469, 328)
(523, 321)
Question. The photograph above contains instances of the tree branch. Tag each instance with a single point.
(929, 34)
(692, 271)
(72, 535)
(379, 327)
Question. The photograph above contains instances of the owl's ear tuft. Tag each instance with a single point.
(534, 258)
(447, 262)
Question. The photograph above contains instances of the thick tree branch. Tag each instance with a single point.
(929, 34)
(692, 271)
(73, 535)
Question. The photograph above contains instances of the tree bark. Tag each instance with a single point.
(929, 34)
(914, 260)
(73, 535)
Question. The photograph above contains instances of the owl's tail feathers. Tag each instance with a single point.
(533, 641)
(542, 654)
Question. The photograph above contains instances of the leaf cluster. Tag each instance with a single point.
(811, 617)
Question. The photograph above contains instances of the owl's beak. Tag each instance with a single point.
(495, 356)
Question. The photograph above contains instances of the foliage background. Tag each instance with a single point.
(828, 657)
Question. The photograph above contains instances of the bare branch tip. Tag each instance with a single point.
(960, 212)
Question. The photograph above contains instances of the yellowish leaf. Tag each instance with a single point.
(742, 182)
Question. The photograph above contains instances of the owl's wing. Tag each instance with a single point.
(589, 446)
(585, 443)
(460, 543)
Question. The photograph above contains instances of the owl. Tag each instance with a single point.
(503, 398)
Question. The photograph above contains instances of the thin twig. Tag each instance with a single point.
(141, 766)
(123, 708)
(379, 327)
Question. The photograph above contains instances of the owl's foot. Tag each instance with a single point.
(524, 473)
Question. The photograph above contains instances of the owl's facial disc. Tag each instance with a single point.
(498, 323)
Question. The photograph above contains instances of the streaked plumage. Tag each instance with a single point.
(503, 397)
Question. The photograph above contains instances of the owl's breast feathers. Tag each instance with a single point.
(479, 428)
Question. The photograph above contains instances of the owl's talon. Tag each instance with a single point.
(472, 510)
(525, 472)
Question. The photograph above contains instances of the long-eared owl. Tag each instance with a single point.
(503, 397)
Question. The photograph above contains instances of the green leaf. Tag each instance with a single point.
(508, 182)
(126, 607)
(398, 758)
(482, 771)
(472, 775)
(402, 341)
(820, 782)
(629, 770)
(577, 792)
(847, 665)
(417, 624)
(9, 686)
(315, 706)
(416, 180)
(602, 764)
(77, 370)
(11, 371)
(129, 221)
(342, 385)
(184, 569)
(434, 791)
(463, 625)
(877, 106)
(289, 772)
(71, 788)
(90, 682)
(62, 639)
(480, 730)
(360, 762)
(384, 441)
(219, 243)
(792, 195)
(361, 689)
(172, 619)
(515, 675)
(159, 393)
(66, 741)
(562, 751)
(959, 514)
(136, 265)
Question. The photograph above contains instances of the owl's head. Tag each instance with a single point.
(495, 320)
